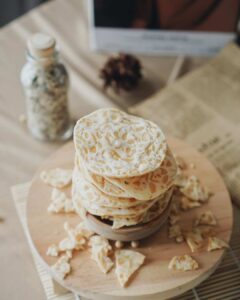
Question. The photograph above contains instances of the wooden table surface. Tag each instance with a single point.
(20, 154)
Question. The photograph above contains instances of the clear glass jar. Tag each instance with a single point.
(45, 82)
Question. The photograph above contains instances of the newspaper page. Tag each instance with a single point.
(203, 108)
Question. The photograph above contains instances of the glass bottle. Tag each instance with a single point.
(45, 82)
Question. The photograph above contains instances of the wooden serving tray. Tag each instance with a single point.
(153, 280)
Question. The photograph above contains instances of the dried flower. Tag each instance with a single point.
(121, 72)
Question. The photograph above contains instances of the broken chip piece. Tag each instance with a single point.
(215, 243)
(194, 240)
(80, 234)
(66, 244)
(174, 231)
(57, 178)
(187, 203)
(204, 230)
(52, 250)
(101, 249)
(181, 162)
(62, 267)
(173, 218)
(60, 202)
(180, 179)
(127, 263)
(183, 263)
(194, 190)
(206, 218)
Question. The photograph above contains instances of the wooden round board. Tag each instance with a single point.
(153, 280)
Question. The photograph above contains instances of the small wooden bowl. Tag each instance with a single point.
(127, 234)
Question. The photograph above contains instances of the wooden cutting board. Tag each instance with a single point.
(153, 279)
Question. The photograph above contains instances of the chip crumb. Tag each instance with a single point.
(187, 203)
(179, 239)
(173, 218)
(194, 240)
(183, 263)
(206, 218)
(100, 241)
(62, 267)
(58, 178)
(66, 244)
(79, 235)
(204, 230)
(175, 232)
(60, 203)
(127, 263)
(52, 250)
(101, 250)
(181, 163)
(180, 179)
(69, 253)
(215, 243)
(194, 190)
(192, 166)
(119, 223)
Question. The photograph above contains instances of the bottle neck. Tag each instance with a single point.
(43, 61)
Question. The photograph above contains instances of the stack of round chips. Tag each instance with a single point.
(124, 170)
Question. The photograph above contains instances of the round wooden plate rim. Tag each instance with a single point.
(98, 293)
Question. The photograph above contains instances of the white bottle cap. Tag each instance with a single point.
(41, 45)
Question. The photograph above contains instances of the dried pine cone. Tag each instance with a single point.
(121, 72)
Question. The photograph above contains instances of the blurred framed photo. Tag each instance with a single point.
(175, 27)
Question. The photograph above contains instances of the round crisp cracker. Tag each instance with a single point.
(152, 213)
(144, 187)
(97, 210)
(94, 201)
(157, 209)
(151, 185)
(115, 144)
(101, 182)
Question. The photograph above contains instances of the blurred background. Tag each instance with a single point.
(10, 9)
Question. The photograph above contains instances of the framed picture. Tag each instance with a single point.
(175, 27)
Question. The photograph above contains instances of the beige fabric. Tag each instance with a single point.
(20, 154)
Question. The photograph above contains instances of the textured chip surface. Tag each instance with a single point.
(58, 177)
(60, 202)
(215, 243)
(150, 185)
(101, 249)
(91, 194)
(206, 218)
(144, 187)
(94, 201)
(127, 263)
(115, 144)
(153, 212)
(183, 263)
(102, 183)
